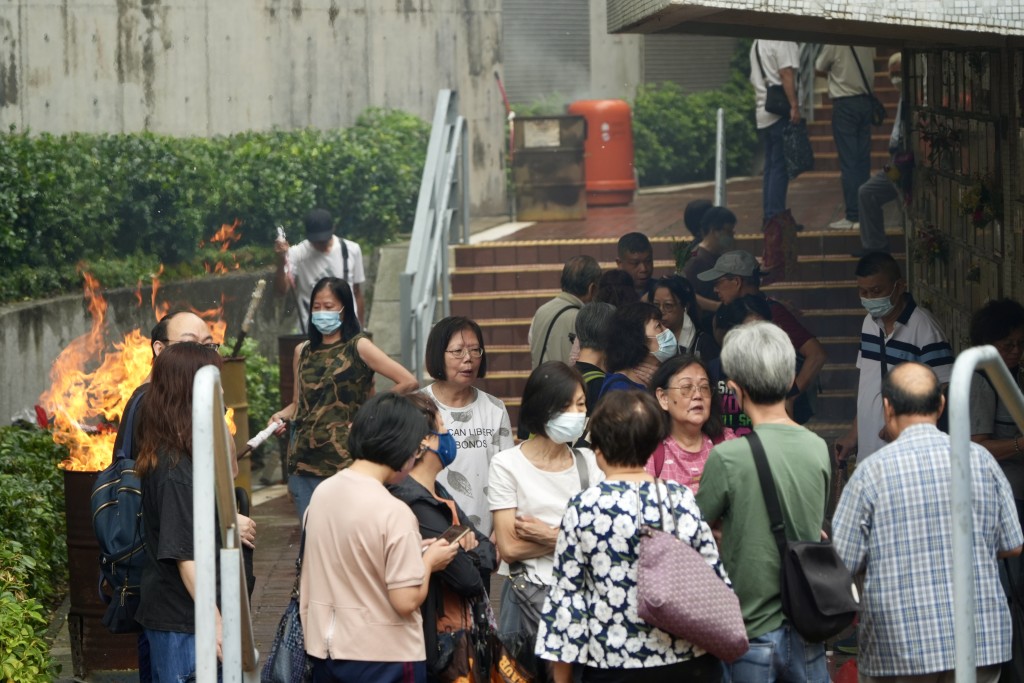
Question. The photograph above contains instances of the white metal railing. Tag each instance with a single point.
(720, 159)
(442, 217)
(978, 358)
(805, 79)
(213, 485)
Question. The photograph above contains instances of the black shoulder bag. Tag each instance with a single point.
(775, 101)
(878, 112)
(818, 595)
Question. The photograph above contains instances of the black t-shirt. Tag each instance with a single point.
(166, 604)
(592, 384)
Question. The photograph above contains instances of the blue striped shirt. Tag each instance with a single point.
(894, 522)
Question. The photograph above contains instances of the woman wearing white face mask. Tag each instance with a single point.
(639, 343)
(333, 378)
(530, 487)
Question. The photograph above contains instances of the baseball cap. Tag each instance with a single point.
(319, 225)
(737, 262)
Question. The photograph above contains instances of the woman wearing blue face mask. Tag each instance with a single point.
(456, 593)
(640, 343)
(530, 486)
(333, 373)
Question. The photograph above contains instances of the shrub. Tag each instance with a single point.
(675, 132)
(25, 655)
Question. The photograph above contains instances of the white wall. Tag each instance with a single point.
(212, 67)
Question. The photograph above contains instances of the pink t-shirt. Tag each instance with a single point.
(680, 465)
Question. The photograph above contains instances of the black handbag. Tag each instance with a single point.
(796, 149)
(1013, 669)
(878, 113)
(818, 595)
(775, 102)
(287, 661)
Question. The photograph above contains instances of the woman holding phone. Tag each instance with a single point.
(453, 592)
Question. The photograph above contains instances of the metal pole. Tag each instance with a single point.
(960, 487)
(720, 170)
(205, 389)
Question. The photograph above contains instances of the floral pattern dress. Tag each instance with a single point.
(590, 615)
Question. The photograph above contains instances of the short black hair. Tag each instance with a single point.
(627, 427)
(878, 262)
(387, 430)
(579, 273)
(663, 376)
(693, 215)
(549, 389)
(682, 290)
(627, 329)
(995, 321)
(349, 322)
(716, 218)
(915, 400)
(634, 243)
(736, 312)
(592, 325)
(615, 287)
(437, 343)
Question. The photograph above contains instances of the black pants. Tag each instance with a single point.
(704, 669)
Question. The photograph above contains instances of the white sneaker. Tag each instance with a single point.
(842, 224)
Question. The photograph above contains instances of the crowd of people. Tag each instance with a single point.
(633, 415)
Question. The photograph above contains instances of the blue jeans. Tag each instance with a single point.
(172, 655)
(301, 487)
(873, 195)
(851, 130)
(776, 180)
(781, 656)
(349, 671)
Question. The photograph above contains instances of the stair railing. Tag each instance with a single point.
(805, 87)
(978, 358)
(442, 217)
(213, 485)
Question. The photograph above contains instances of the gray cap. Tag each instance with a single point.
(737, 262)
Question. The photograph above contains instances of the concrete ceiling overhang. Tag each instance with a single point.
(899, 30)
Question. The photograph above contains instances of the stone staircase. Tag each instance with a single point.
(501, 285)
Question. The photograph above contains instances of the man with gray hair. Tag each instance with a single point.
(760, 363)
(894, 522)
(552, 330)
(592, 336)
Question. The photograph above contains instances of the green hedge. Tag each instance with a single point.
(143, 199)
(675, 132)
(33, 551)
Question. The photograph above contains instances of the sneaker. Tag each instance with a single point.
(843, 224)
(848, 645)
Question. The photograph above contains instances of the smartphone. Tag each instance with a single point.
(455, 533)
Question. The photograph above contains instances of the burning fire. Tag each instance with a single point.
(226, 236)
(86, 403)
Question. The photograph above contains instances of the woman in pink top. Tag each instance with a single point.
(694, 413)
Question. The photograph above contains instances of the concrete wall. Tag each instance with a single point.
(616, 61)
(195, 67)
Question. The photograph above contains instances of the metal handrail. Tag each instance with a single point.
(984, 358)
(805, 88)
(213, 484)
(442, 217)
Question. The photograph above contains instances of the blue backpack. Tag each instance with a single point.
(117, 522)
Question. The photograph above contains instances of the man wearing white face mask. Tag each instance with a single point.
(895, 330)
(529, 488)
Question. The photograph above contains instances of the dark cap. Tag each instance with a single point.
(319, 226)
(737, 262)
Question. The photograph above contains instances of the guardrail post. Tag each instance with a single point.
(720, 160)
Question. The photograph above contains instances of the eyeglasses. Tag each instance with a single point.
(474, 352)
(213, 346)
(690, 389)
(666, 306)
(1010, 345)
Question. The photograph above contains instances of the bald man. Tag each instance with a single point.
(893, 524)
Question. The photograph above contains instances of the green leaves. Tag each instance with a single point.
(130, 201)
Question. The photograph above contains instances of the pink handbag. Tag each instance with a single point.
(679, 593)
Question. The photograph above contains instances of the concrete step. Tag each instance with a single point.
(824, 143)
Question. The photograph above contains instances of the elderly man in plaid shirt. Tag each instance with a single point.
(894, 524)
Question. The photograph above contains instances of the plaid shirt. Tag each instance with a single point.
(894, 522)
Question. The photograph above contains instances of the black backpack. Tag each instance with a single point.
(117, 522)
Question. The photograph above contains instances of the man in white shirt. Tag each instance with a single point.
(321, 254)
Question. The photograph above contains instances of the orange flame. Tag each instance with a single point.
(227, 235)
(90, 384)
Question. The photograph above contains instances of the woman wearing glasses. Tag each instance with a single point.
(333, 373)
(674, 297)
(694, 415)
(479, 422)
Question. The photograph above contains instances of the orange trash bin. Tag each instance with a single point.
(610, 175)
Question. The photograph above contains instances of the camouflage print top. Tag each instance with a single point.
(334, 382)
